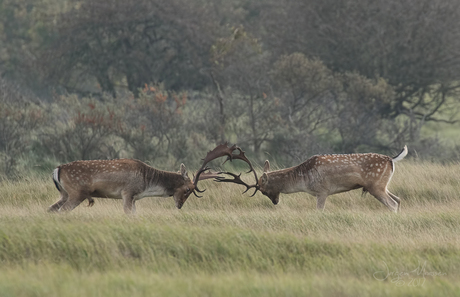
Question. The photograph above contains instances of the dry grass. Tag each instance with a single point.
(228, 244)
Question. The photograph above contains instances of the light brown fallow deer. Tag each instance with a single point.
(125, 179)
(324, 175)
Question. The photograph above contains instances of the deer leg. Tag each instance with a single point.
(129, 205)
(63, 199)
(74, 200)
(385, 198)
(395, 198)
(321, 201)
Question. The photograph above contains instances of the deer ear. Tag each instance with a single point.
(183, 171)
(267, 166)
(264, 179)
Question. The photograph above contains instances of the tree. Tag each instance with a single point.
(80, 129)
(413, 44)
(305, 88)
(317, 103)
(19, 119)
(21, 35)
(360, 117)
(130, 43)
(152, 123)
(239, 72)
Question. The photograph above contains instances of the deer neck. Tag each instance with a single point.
(285, 180)
(163, 183)
(294, 179)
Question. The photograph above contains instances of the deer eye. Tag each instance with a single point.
(188, 190)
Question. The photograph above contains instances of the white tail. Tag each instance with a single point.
(401, 155)
(324, 175)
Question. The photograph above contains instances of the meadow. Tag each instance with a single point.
(229, 244)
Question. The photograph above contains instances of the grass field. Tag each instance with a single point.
(228, 244)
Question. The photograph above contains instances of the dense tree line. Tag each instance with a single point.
(163, 79)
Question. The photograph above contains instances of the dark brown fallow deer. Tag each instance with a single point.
(126, 179)
(324, 175)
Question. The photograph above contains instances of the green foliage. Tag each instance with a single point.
(80, 129)
(411, 44)
(18, 122)
(363, 106)
(152, 122)
(117, 42)
(319, 103)
(163, 81)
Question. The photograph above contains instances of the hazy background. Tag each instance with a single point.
(165, 80)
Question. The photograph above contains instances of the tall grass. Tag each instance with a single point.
(228, 244)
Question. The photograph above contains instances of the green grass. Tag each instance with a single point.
(228, 244)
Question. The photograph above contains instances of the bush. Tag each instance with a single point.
(19, 119)
(81, 129)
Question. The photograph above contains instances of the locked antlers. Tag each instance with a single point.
(221, 151)
(228, 151)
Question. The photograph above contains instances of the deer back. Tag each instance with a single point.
(330, 173)
(108, 178)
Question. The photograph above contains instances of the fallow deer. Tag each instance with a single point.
(125, 179)
(324, 175)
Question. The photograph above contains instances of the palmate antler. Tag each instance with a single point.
(220, 151)
(236, 178)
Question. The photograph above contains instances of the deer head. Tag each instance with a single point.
(182, 192)
(267, 188)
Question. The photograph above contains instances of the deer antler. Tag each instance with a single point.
(241, 156)
(228, 151)
(237, 180)
(220, 151)
(202, 176)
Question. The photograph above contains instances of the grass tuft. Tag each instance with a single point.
(228, 244)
